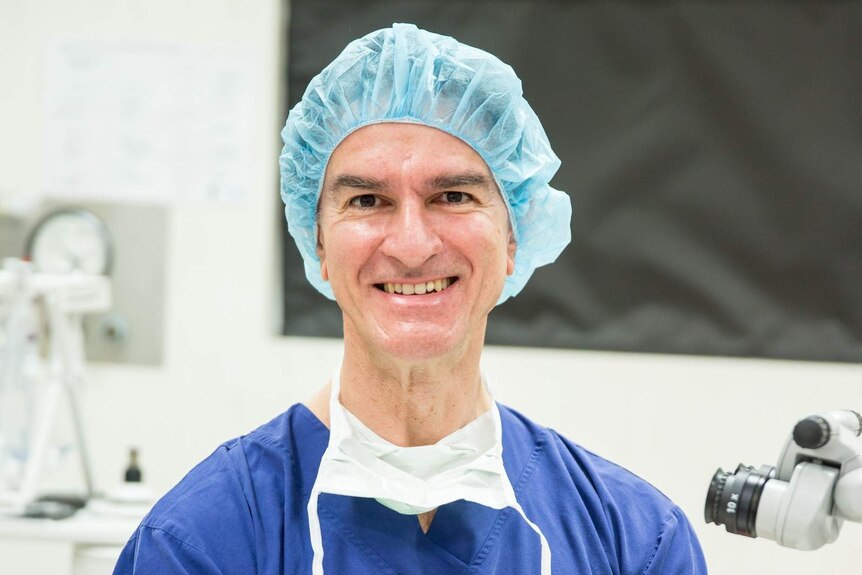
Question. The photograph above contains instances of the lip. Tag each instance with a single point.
(429, 298)
(452, 280)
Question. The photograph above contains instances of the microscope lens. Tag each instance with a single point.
(732, 499)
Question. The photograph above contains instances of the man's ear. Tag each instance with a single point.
(321, 255)
(510, 254)
(324, 273)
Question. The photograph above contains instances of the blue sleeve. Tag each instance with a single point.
(203, 526)
(153, 550)
(677, 550)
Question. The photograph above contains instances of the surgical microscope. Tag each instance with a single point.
(803, 501)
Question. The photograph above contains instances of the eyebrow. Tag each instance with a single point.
(470, 180)
(442, 182)
(357, 182)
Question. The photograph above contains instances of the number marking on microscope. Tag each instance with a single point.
(731, 505)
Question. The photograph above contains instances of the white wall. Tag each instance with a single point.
(672, 419)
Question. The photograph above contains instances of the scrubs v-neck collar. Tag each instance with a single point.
(462, 533)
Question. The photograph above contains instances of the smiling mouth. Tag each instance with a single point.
(437, 285)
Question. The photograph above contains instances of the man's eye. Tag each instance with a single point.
(364, 201)
(456, 197)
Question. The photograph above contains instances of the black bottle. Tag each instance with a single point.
(133, 472)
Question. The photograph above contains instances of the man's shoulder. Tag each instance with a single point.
(233, 504)
(576, 469)
(236, 474)
(578, 495)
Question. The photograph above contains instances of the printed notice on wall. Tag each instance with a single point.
(152, 124)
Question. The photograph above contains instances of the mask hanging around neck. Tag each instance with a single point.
(467, 464)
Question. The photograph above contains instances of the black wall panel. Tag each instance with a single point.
(712, 151)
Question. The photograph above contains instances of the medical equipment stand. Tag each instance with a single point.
(65, 298)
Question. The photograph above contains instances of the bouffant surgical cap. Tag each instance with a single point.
(404, 74)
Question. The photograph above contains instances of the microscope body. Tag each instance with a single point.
(803, 501)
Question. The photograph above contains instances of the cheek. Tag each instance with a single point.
(346, 246)
(486, 240)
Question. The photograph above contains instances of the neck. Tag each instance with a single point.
(416, 404)
(409, 403)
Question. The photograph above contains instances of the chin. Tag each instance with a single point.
(422, 345)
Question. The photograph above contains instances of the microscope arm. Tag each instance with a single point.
(797, 513)
(848, 496)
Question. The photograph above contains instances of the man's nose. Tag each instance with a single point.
(411, 236)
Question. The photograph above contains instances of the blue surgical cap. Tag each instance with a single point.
(404, 74)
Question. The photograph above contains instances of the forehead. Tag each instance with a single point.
(396, 147)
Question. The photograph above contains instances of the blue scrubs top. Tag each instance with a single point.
(243, 511)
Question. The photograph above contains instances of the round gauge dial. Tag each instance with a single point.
(71, 241)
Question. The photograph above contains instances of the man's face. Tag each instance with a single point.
(408, 208)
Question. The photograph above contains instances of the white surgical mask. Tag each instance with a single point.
(467, 464)
(426, 461)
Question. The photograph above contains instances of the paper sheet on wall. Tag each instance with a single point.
(147, 124)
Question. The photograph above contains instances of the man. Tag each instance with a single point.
(415, 178)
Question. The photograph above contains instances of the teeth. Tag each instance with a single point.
(419, 289)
